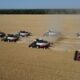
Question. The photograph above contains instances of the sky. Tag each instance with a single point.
(39, 4)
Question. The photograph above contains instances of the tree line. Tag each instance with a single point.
(39, 11)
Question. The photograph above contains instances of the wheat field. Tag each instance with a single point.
(19, 62)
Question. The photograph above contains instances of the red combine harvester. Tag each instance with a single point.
(77, 55)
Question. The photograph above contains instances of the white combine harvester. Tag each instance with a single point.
(51, 35)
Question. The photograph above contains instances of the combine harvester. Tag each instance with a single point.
(22, 36)
(52, 36)
(77, 55)
(40, 43)
(10, 38)
(2, 34)
(24, 33)
(78, 35)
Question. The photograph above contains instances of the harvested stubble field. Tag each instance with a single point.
(18, 62)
